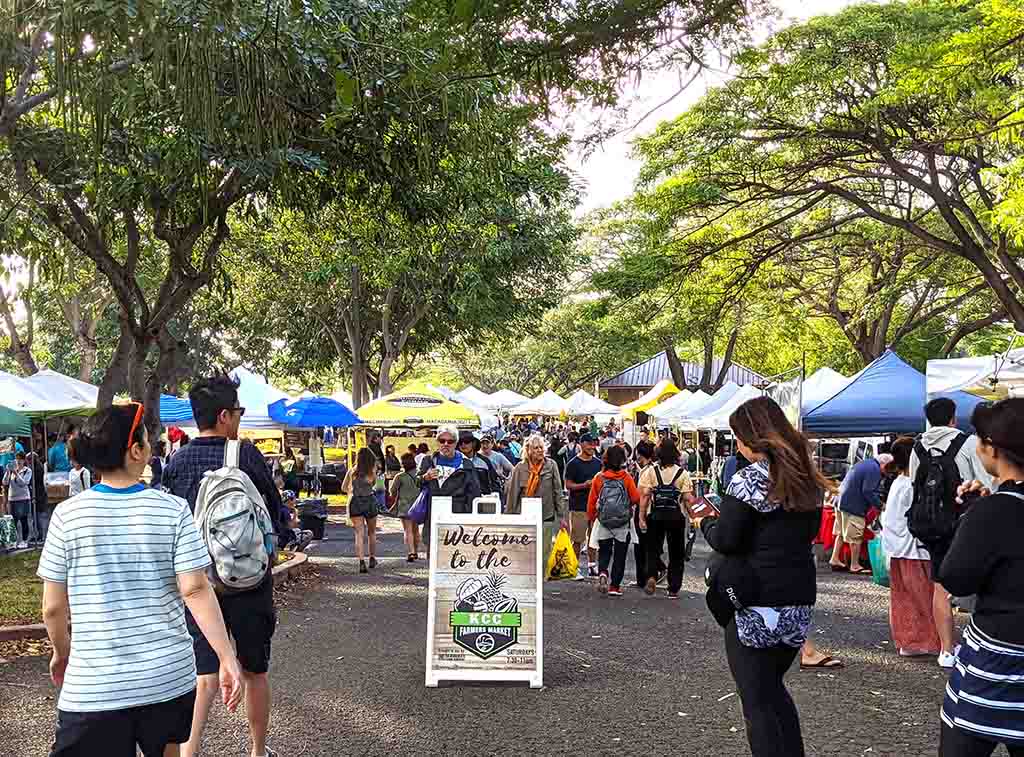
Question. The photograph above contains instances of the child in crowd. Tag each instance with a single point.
(292, 537)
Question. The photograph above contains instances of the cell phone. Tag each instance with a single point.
(705, 507)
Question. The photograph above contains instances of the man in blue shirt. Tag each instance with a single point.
(858, 494)
(57, 460)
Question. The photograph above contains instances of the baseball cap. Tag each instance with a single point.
(587, 438)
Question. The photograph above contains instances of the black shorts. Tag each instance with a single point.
(115, 733)
(937, 550)
(251, 620)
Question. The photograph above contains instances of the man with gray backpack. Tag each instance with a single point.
(943, 458)
(238, 513)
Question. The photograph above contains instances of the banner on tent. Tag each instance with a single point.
(786, 391)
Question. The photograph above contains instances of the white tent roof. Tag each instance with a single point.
(345, 398)
(585, 403)
(505, 399)
(547, 403)
(47, 393)
(718, 419)
(706, 406)
(823, 384)
(255, 394)
(692, 404)
(672, 404)
(472, 396)
(991, 377)
(444, 391)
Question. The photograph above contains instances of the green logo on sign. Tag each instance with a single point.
(485, 621)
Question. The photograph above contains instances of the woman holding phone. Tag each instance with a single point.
(763, 533)
(982, 707)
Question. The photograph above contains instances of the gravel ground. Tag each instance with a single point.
(623, 676)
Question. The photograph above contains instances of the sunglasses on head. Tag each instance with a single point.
(140, 411)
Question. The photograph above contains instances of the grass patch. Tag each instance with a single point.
(21, 592)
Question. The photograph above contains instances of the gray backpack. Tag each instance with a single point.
(233, 521)
(613, 506)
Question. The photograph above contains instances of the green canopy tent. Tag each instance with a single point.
(13, 423)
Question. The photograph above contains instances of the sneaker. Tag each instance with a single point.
(373, 563)
(662, 577)
(580, 575)
(411, 558)
(362, 566)
(592, 571)
(947, 660)
(22, 545)
(652, 585)
(672, 594)
(614, 591)
(602, 583)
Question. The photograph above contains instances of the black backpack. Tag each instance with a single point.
(934, 511)
(665, 499)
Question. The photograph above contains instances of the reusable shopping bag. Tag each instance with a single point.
(420, 507)
(879, 562)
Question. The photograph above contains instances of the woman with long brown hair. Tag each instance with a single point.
(362, 505)
(762, 584)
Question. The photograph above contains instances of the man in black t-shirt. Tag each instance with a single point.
(579, 474)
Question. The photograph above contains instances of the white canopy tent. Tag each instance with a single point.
(255, 395)
(992, 377)
(584, 403)
(548, 403)
(683, 408)
(48, 394)
(345, 398)
(505, 399)
(718, 419)
(444, 391)
(673, 403)
(472, 396)
(706, 407)
(822, 385)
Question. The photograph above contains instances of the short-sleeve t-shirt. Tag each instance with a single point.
(580, 471)
(649, 479)
(119, 551)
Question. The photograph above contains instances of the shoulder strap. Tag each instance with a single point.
(679, 472)
(956, 445)
(231, 451)
(657, 472)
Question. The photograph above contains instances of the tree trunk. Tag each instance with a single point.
(22, 355)
(384, 385)
(115, 378)
(726, 359)
(675, 365)
(87, 349)
(707, 384)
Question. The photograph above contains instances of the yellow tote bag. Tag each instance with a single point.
(563, 562)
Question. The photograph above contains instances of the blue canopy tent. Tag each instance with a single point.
(312, 412)
(886, 397)
(174, 410)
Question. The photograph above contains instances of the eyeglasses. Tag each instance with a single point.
(139, 412)
(446, 442)
(239, 410)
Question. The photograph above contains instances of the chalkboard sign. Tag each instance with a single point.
(484, 617)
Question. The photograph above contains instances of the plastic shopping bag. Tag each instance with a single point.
(879, 562)
(420, 507)
(563, 562)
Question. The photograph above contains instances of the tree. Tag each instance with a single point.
(848, 109)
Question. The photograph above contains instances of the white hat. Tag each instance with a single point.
(447, 430)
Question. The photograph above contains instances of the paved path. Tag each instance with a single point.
(635, 675)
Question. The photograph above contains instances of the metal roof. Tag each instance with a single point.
(650, 372)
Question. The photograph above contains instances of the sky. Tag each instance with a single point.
(609, 172)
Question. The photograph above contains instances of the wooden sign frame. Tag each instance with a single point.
(530, 521)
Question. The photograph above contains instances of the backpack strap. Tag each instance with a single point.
(231, 453)
(679, 472)
(956, 445)
(657, 472)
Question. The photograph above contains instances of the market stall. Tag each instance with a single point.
(505, 399)
(582, 404)
(991, 377)
(417, 406)
(470, 396)
(821, 385)
(654, 396)
(548, 404)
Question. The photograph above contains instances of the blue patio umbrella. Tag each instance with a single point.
(174, 410)
(312, 412)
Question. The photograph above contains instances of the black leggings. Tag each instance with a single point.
(773, 726)
(956, 742)
(613, 551)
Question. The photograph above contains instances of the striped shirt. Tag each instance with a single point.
(119, 552)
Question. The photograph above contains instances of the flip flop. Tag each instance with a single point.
(839, 568)
(860, 572)
(828, 661)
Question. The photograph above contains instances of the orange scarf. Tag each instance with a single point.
(533, 484)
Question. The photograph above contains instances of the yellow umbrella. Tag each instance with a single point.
(417, 405)
(657, 394)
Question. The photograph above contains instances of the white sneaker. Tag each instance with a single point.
(22, 545)
(579, 575)
(947, 660)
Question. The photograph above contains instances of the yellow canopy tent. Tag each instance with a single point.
(417, 405)
(657, 394)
